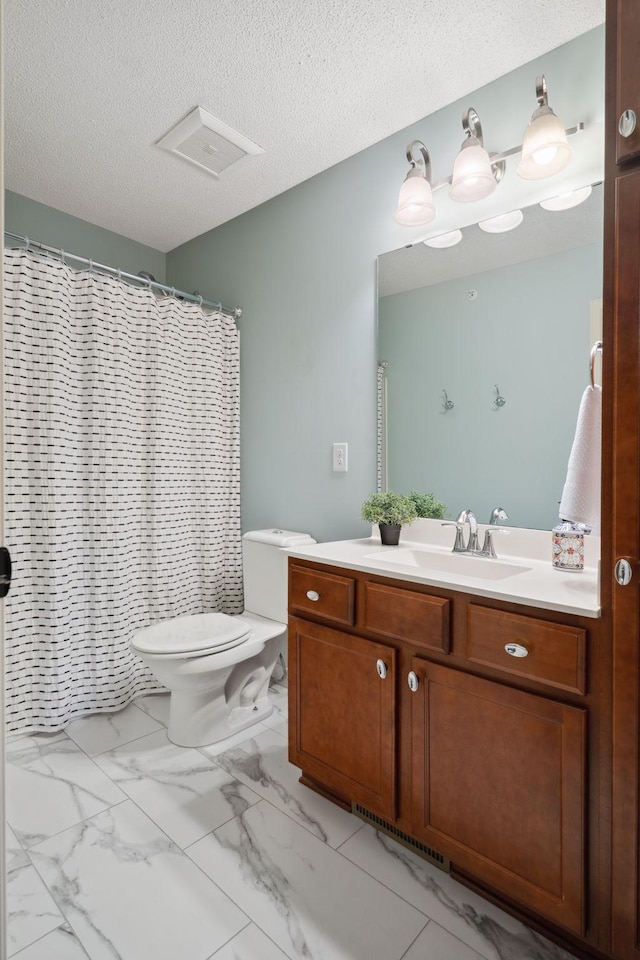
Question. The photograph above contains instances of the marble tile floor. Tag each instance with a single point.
(123, 846)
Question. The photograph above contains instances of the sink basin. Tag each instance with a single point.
(481, 568)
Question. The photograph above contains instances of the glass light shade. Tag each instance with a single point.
(472, 176)
(444, 240)
(545, 150)
(415, 203)
(503, 223)
(566, 200)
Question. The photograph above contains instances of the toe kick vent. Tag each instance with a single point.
(392, 831)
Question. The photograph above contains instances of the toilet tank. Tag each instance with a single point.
(264, 567)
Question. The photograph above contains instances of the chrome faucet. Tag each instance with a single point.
(467, 516)
(472, 545)
(459, 546)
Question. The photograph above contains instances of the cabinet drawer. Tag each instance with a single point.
(406, 615)
(324, 595)
(555, 654)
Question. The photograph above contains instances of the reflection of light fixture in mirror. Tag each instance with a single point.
(415, 203)
(444, 240)
(565, 201)
(503, 223)
(545, 150)
(473, 177)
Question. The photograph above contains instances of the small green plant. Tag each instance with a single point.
(427, 506)
(388, 507)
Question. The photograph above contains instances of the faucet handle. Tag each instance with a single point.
(458, 546)
(488, 548)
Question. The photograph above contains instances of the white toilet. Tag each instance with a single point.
(216, 666)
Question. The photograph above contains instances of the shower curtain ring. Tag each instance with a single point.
(26, 243)
(200, 300)
(173, 292)
(62, 257)
(90, 265)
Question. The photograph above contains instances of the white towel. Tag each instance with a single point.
(581, 494)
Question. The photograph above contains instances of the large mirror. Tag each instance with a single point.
(485, 354)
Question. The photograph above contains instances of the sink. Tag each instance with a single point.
(465, 565)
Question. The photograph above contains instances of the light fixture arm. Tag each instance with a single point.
(472, 126)
(541, 91)
(424, 160)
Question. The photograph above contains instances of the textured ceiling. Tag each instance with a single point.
(89, 88)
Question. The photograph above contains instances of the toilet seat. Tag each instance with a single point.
(192, 635)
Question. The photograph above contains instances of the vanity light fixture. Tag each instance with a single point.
(502, 223)
(545, 150)
(415, 203)
(473, 176)
(565, 201)
(444, 240)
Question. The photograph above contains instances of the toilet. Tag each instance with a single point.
(217, 667)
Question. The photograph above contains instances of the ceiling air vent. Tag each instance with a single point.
(208, 143)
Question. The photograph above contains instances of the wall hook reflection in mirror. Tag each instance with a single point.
(499, 400)
(446, 403)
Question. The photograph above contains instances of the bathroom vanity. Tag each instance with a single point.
(456, 711)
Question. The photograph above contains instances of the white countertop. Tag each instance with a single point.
(540, 585)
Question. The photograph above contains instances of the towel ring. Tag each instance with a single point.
(595, 350)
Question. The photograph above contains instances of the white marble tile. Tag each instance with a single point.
(182, 791)
(52, 784)
(156, 705)
(214, 749)
(31, 910)
(262, 763)
(129, 892)
(60, 944)
(438, 944)
(481, 925)
(304, 895)
(250, 944)
(106, 731)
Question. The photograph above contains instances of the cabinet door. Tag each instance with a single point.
(343, 713)
(621, 462)
(498, 787)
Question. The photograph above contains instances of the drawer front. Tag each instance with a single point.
(548, 652)
(406, 615)
(320, 594)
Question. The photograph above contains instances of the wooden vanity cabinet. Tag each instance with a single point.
(415, 711)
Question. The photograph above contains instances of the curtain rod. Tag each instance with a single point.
(232, 312)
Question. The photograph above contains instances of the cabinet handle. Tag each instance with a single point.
(516, 650)
(627, 123)
(313, 595)
(381, 667)
(413, 681)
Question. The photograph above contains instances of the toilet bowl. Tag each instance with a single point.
(218, 667)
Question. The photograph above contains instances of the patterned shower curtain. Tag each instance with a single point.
(122, 481)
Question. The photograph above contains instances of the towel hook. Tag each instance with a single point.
(446, 403)
(595, 350)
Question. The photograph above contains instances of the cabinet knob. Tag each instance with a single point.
(516, 650)
(623, 572)
(381, 667)
(412, 680)
(313, 595)
(626, 123)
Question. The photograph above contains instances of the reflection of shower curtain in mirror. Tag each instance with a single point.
(122, 481)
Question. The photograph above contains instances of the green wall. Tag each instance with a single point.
(528, 331)
(302, 267)
(27, 218)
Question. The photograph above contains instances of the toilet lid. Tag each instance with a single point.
(192, 634)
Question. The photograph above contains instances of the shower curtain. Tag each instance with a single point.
(122, 481)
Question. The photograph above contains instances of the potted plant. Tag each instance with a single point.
(427, 506)
(389, 510)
